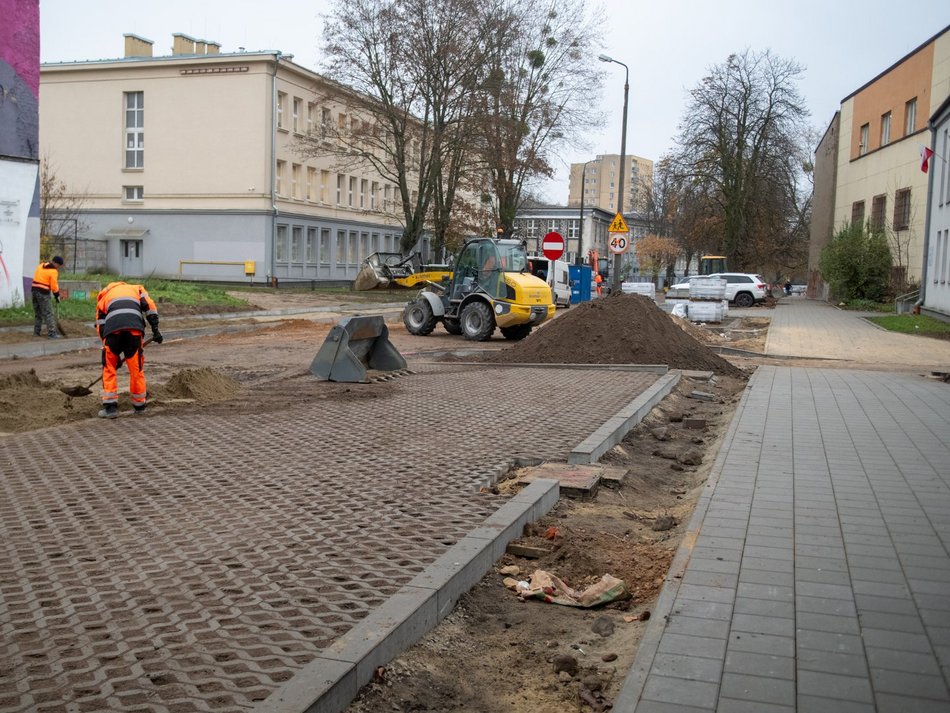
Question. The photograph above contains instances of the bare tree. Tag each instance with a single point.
(408, 70)
(61, 210)
(539, 94)
(744, 139)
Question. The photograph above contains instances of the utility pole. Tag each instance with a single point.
(615, 278)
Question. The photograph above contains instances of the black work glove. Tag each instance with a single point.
(56, 297)
(157, 336)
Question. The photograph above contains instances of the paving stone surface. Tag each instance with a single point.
(176, 563)
(820, 576)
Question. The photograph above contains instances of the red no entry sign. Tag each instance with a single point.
(553, 246)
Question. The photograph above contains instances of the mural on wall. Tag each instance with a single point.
(19, 145)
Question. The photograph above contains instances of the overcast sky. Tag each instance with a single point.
(667, 44)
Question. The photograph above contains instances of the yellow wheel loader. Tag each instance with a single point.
(381, 270)
(490, 286)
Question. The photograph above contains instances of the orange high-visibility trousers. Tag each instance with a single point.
(110, 364)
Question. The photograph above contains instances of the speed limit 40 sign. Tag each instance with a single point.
(618, 243)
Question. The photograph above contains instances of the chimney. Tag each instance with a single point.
(136, 46)
(214, 47)
(201, 47)
(182, 44)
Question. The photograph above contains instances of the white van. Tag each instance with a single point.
(557, 274)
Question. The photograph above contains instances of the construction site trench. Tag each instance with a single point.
(199, 557)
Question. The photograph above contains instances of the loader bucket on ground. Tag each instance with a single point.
(352, 347)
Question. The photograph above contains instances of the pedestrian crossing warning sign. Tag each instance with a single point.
(619, 225)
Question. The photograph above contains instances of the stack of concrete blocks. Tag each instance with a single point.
(647, 289)
(706, 299)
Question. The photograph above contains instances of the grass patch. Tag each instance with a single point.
(914, 324)
(867, 306)
(162, 291)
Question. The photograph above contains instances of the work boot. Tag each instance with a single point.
(54, 335)
(139, 408)
(109, 411)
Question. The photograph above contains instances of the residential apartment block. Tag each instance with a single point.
(874, 143)
(188, 166)
(598, 180)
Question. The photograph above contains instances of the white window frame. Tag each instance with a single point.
(281, 101)
(297, 104)
(133, 194)
(885, 129)
(134, 130)
(296, 240)
(910, 116)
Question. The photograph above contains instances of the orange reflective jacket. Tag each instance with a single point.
(122, 306)
(46, 278)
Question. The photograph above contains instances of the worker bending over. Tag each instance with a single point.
(121, 313)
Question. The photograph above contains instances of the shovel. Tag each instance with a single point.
(86, 390)
(59, 327)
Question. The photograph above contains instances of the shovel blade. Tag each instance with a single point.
(75, 390)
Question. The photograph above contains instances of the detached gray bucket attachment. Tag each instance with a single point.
(353, 346)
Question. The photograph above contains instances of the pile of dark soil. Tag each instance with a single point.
(619, 329)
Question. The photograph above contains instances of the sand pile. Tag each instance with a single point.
(619, 329)
(204, 385)
(26, 403)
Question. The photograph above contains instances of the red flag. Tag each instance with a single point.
(925, 154)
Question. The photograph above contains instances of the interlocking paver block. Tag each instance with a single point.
(205, 572)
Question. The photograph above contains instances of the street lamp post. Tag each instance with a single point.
(580, 229)
(615, 281)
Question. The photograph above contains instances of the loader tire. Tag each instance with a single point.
(452, 326)
(516, 333)
(418, 318)
(477, 322)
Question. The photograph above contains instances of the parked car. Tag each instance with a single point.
(742, 289)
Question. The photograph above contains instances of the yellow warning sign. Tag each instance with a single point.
(619, 225)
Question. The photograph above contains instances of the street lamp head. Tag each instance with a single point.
(605, 58)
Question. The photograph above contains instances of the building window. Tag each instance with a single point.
(135, 129)
(133, 194)
(296, 239)
(863, 145)
(324, 186)
(910, 116)
(364, 184)
(324, 246)
(354, 248)
(387, 197)
(902, 209)
(341, 248)
(886, 129)
(281, 103)
(364, 245)
(374, 189)
(311, 256)
(296, 117)
(340, 178)
(279, 177)
(280, 244)
(573, 229)
(311, 117)
(326, 120)
(878, 210)
(351, 191)
(295, 181)
(311, 184)
(857, 213)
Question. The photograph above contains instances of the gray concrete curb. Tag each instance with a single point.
(330, 682)
(616, 427)
(636, 678)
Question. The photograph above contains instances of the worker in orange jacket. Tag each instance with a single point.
(44, 290)
(121, 313)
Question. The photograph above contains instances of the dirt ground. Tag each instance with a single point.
(494, 652)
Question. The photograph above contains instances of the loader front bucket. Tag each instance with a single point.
(352, 347)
